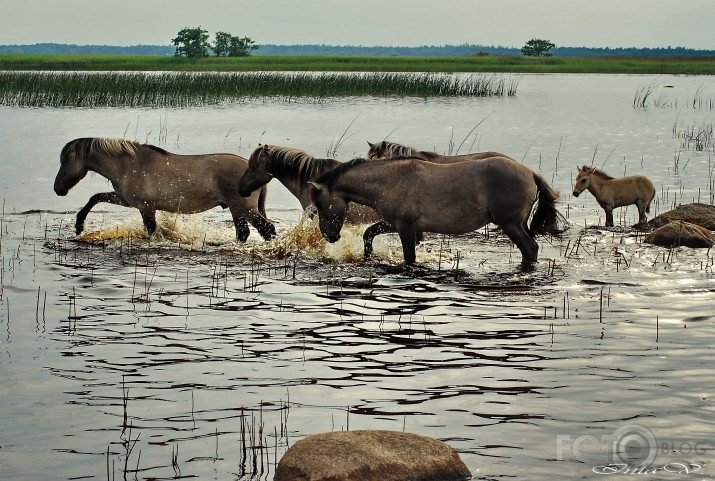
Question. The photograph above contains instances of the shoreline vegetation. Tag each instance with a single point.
(88, 81)
(318, 63)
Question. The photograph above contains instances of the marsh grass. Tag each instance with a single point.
(323, 63)
(189, 89)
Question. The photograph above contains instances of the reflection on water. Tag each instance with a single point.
(162, 358)
(188, 355)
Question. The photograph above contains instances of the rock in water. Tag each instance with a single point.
(699, 214)
(680, 233)
(371, 456)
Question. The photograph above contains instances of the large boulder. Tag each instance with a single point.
(370, 456)
(681, 233)
(699, 214)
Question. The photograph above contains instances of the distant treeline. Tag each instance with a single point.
(463, 50)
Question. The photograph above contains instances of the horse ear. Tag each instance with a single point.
(264, 147)
(383, 145)
(578, 167)
(370, 144)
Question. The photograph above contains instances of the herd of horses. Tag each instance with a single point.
(394, 189)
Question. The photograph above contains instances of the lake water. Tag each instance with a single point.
(189, 355)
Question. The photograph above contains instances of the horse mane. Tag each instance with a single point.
(397, 151)
(296, 163)
(599, 173)
(88, 146)
(330, 176)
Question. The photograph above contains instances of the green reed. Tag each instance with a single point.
(344, 63)
(187, 89)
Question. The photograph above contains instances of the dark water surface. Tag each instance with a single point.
(191, 356)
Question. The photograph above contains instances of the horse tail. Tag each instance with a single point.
(262, 194)
(546, 219)
(647, 206)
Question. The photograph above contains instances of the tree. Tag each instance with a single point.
(192, 43)
(227, 45)
(222, 44)
(537, 47)
(241, 47)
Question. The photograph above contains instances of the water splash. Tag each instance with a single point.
(197, 232)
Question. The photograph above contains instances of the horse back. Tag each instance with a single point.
(198, 180)
(453, 159)
(629, 189)
(460, 197)
(196, 166)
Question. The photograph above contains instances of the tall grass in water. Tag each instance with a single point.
(697, 138)
(186, 89)
(646, 93)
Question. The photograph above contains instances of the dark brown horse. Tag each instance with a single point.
(412, 195)
(149, 178)
(385, 150)
(611, 193)
(294, 168)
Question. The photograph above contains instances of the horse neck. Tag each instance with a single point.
(295, 180)
(112, 167)
(596, 184)
(364, 185)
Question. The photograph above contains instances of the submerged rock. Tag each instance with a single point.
(698, 214)
(681, 233)
(370, 456)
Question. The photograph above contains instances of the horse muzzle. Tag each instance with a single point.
(61, 191)
(244, 192)
(332, 238)
(576, 193)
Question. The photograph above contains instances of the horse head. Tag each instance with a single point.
(331, 211)
(376, 151)
(73, 168)
(583, 179)
(258, 173)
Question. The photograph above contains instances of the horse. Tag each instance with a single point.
(611, 193)
(294, 168)
(384, 150)
(412, 195)
(149, 178)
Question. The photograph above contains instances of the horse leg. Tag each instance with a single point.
(609, 215)
(149, 218)
(527, 245)
(641, 212)
(263, 226)
(242, 231)
(372, 232)
(408, 237)
(109, 197)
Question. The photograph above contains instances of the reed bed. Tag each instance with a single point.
(189, 89)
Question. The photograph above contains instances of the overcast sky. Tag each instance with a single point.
(510, 23)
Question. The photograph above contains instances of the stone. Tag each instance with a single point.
(680, 233)
(699, 214)
(371, 456)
